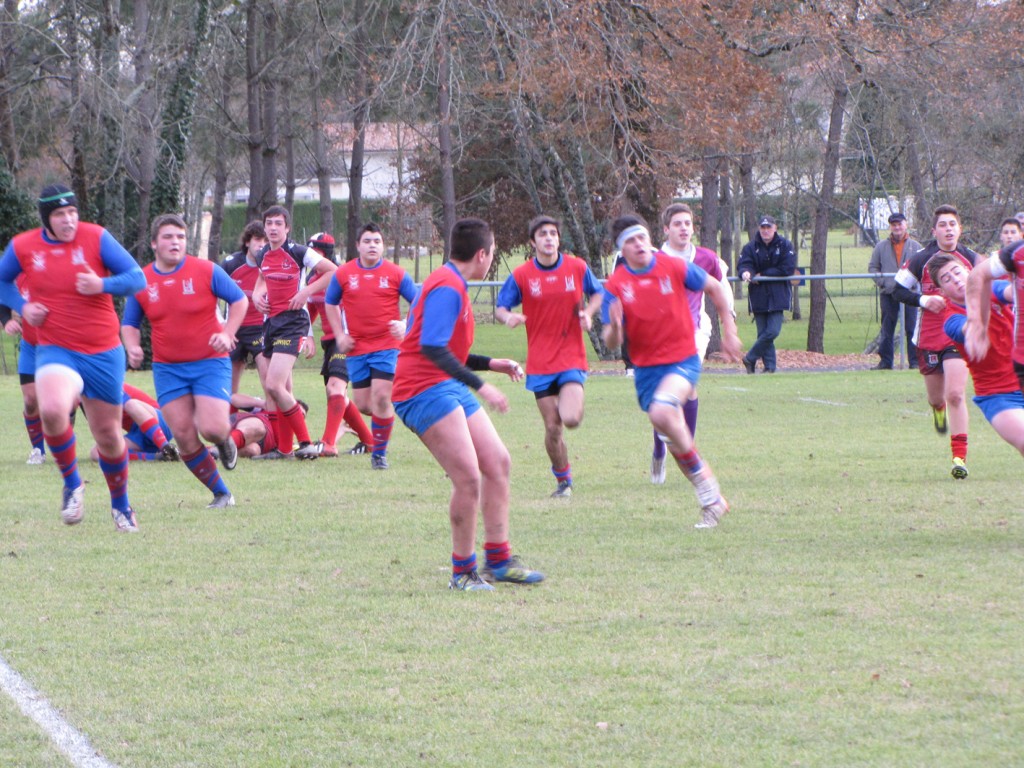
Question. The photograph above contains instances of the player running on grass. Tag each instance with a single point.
(646, 298)
(432, 397)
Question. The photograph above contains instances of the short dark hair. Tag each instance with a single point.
(1012, 222)
(469, 237)
(539, 221)
(938, 262)
(368, 227)
(622, 223)
(164, 220)
(944, 210)
(252, 229)
(675, 208)
(277, 210)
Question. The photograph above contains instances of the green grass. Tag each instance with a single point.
(856, 607)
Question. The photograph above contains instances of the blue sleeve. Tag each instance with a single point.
(224, 287)
(333, 293)
(407, 289)
(440, 312)
(591, 285)
(954, 327)
(999, 290)
(10, 268)
(126, 276)
(509, 296)
(696, 277)
(132, 312)
(606, 305)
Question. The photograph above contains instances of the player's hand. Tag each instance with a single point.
(494, 398)
(397, 329)
(222, 342)
(13, 327)
(975, 340)
(34, 313)
(299, 299)
(745, 277)
(731, 349)
(515, 319)
(510, 368)
(88, 283)
(306, 347)
(586, 321)
(261, 303)
(345, 343)
(134, 356)
(934, 303)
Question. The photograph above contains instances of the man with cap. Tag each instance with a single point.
(886, 258)
(560, 297)
(71, 271)
(769, 254)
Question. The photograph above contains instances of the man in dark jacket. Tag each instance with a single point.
(769, 254)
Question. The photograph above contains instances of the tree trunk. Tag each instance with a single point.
(8, 143)
(749, 195)
(113, 190)
(268, 92)
(220, 178)
(79, 177)
(360, 114)
(819, 242)
(288, 139)
(398, 212)
(321, 162)
(592, 234)
(444, 139)
(254, 110)
(724, 220)
(147, 117)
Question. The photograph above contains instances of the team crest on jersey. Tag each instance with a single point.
(39, 261)
(153, 291)
(570, 284)
(666, 285)
(353, 282)
(77, 256)
(627, 294)
(535, 289)
(186, 287)
(383, 282)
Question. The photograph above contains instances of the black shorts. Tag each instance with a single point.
(1019, 370)
(929, 361)
(283, 333)
(334, 366)
(250, 344)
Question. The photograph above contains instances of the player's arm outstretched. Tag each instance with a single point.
(720, 294)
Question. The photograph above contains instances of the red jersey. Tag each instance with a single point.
(913, 274)
(315, 305)
(76, 322)
(182, 311)
(245, 275)
(993, 374)
(283, 271)
(135, 394)
(552, 299)
(414, 372)
(1010, 262)
(655, 309)
(370, 296)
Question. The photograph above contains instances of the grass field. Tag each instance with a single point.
(857, 607)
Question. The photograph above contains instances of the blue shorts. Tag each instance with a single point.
(647, 378)
(423, 411)
(992, 405)
(136, 436)
(26, 359)
(210, 378)
(102, 372)
(372, 365)
(549, 384)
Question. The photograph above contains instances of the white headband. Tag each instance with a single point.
(629, 232)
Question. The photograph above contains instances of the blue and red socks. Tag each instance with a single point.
(115, 472)
(62, 448)
(498, 554)
(380, 427)
(202, 465)
(563, 475)
(34, 427)
(461, 565)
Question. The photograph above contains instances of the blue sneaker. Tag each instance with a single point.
(563, 491)
(513, 572)
(469, 582)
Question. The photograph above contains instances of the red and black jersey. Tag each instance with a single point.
(284, 271)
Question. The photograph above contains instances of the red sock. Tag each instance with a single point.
(497, 554)
(958, 444)
(62, 448)
(336, 405)
(285, 436)
(381, 429)
(355, 420)
(151, 429)
(297, 421)
(238, 439)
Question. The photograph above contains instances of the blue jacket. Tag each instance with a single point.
(774, 259)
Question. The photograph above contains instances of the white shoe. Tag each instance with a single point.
(711, 514)
(657, 469)
(36, 457)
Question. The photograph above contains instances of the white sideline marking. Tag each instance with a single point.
(65, 736)
(823, 402)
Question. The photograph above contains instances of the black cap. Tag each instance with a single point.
(53, 197)
(767, 221)
(896, 217)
